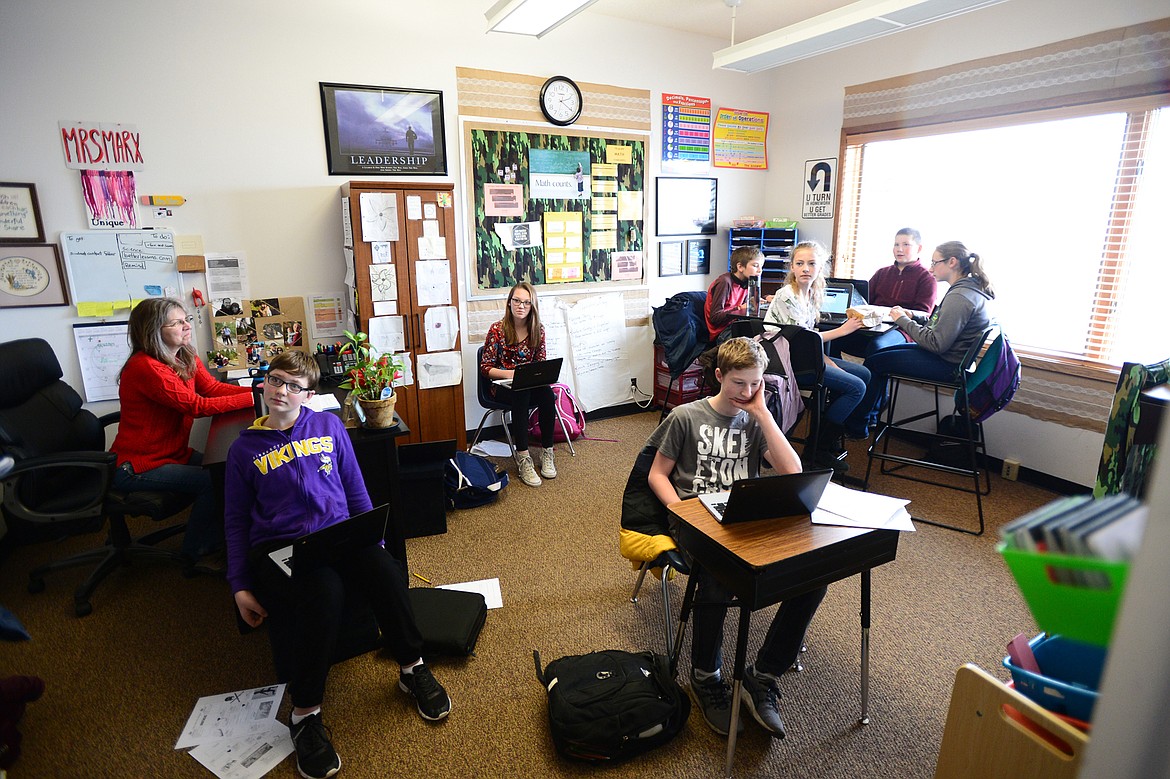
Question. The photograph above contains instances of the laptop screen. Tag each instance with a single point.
(837, 299)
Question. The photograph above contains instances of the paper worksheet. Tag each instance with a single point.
(386, 334)
(853, 508)
(247, 757)
(231, 715)
(488, 588)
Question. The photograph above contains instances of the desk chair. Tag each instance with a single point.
(61, 482)
(966, 437)
(493, 406)
(645, 541)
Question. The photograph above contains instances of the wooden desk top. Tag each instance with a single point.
(766, 542)
(766, 561)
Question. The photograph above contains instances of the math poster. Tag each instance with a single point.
(740, 139)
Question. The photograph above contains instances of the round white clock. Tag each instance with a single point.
(560, 101)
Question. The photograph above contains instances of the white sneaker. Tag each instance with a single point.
(548, 468)
(527, 470)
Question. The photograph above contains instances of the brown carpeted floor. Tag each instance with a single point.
(121, 682)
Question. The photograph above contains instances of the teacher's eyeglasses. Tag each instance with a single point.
(293, 389)
(180, 322)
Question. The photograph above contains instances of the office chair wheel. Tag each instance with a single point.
(82, 608)
(36, 585)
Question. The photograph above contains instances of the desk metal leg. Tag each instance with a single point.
(683, 616)
(864, 648)
(745, 618)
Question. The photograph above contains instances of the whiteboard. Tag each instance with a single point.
(108, 269)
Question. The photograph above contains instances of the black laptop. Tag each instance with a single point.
(768, 497)
(530, 375)
(331, 544)
(838, 299)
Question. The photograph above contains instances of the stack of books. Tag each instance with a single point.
(1108, 528)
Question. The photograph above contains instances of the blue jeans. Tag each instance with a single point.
(861, 344)
(906, 359)
(847, 383)
(204, 533)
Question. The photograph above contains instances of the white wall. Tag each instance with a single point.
(225, 95)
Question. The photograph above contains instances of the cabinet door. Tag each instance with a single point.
(432, 284)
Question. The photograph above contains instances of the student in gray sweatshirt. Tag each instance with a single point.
(939, 341)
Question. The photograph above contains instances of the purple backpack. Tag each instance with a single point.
(995, 380)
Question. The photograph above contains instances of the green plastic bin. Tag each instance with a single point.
(1079, 612)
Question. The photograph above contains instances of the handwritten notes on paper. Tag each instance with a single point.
(102, 350)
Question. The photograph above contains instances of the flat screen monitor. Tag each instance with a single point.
(686, 206)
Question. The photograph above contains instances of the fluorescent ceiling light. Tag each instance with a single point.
(854, 23)
(532, 17)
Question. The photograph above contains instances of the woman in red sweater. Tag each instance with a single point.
(162, 387)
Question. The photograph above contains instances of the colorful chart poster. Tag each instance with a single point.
(563, 244)
(686, 133)
(740, 139)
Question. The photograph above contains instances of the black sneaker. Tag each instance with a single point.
(714, 699)
(430, 697)
(762, 698)
(316, 758)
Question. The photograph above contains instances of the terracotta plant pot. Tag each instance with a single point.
(379, 413)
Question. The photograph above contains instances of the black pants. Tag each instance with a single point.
(781, 644)
(305, 611)
(521, 401)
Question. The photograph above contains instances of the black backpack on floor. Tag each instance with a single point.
(611, 705)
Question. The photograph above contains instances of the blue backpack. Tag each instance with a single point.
(471, 480)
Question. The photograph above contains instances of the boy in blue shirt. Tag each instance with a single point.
(291, 473)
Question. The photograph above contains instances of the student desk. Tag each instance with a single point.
(376, 452)
(762, 563)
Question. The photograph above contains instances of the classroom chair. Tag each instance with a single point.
(493, 406)
(61, 483)
(964, 436)
(645, 541)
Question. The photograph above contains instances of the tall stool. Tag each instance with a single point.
(968, 437)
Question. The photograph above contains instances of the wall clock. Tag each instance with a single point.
(560, 101)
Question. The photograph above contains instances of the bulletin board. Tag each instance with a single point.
(555, 208)
(255, 331)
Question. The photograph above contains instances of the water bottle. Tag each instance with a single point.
(753, 298)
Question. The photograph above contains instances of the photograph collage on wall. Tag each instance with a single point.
(252, 331)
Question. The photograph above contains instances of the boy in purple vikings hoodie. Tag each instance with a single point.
(290, 473)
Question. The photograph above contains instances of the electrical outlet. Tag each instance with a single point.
(1011, 469)
(633, 387)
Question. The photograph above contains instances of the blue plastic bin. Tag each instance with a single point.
(1070, 673)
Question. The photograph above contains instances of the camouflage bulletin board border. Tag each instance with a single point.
(490, 149)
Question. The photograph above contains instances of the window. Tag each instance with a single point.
(1068, 211)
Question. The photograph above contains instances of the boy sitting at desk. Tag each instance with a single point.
(291, 473)
(703, 447)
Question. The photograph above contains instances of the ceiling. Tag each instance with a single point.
(713, 17)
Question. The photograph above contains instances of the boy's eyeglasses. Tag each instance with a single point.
(180, 322)
(293, 389)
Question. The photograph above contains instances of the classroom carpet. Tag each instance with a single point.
(121, 682)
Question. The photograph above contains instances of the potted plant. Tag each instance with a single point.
(370, 377)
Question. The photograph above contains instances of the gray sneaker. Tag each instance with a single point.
(761, 696)
(548, 468)
(714, 699)
(527, 470)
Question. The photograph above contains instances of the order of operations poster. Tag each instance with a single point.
(740, 139)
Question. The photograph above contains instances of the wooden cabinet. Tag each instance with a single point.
(434, 414)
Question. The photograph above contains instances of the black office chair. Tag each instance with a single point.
(61, 482)
(965, 439)
(493, 406)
